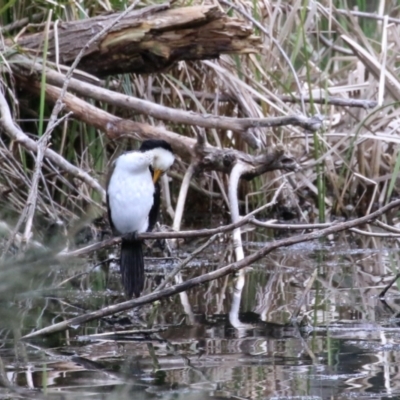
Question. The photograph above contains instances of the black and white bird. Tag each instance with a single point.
(133, 201)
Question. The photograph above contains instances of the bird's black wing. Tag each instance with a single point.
(155, 209)
(109, 215)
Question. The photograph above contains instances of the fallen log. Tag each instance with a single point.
(148, 40)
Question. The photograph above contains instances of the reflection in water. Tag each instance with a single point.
(221, 340)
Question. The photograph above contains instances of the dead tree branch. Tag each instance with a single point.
(180, 204)
(237, 171)
(35, 18)
(24, 66)
(207, 157)
(147, 40)
(211, 158)
(236, 266)
(156, 235)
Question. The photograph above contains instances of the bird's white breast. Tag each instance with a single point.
(130, 193)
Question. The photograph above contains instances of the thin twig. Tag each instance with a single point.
(384, 291)
(186, 261)
(387, 227)
(170, 235)
(37, 173)
(21, 23)
(292, 98)
(375, 234)
(15, 133)
(267, 205)
(274, 225)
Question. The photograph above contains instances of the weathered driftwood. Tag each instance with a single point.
(147, 40)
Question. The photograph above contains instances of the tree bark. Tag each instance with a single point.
(145, 41)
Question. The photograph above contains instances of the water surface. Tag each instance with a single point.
(217, 341)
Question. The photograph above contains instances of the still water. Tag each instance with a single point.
(217, 341)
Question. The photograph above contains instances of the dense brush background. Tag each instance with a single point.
(348, 167)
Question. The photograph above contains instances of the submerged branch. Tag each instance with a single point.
(236, 266)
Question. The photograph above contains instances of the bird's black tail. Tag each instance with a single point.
(132, 267)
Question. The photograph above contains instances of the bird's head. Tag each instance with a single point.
(163, 156)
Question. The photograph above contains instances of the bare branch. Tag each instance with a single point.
(207, 157)
(173, 235)
(25, 66)
(180, 204)
(155, 235)
(292, 98)
(375, 234)
(22, 22)
(237, 171)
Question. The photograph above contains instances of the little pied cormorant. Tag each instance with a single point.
(133, 201)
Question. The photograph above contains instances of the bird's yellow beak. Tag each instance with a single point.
(157, 174)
